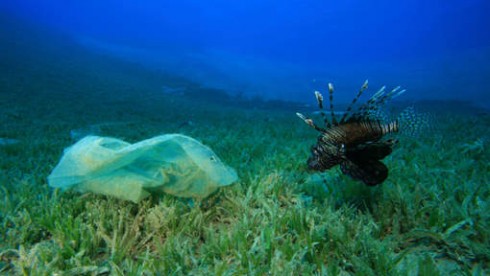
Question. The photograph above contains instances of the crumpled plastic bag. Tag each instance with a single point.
(172, 163)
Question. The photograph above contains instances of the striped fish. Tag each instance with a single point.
(356, 141)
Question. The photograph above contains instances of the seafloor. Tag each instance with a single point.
(430, 217)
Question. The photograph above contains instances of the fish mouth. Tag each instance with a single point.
(315, 164)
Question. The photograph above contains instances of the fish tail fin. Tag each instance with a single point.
(412, 123)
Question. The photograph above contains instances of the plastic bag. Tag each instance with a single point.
(172, 163)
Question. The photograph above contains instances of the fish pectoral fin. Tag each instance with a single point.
(371, 172)
(373, 151)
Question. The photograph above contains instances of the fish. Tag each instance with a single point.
(357, 141)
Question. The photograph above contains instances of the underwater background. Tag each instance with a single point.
(232, 75)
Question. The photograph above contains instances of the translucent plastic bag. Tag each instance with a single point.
(173, 163)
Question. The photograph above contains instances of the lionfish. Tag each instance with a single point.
(357, 142)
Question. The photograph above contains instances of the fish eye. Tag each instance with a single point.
(342, 149)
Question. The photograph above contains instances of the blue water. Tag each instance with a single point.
(217, 70)
(286, 49)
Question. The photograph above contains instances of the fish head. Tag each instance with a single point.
(325, 156)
